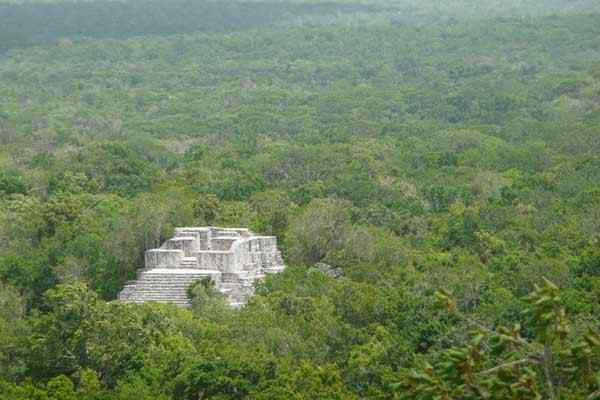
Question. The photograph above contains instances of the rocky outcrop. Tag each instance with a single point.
(233, 258)
(328, 270)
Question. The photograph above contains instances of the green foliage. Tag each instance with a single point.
(208, 302)
(409, 146)
(12, 331)
(319, 231)
(502, 364)
(12, 182)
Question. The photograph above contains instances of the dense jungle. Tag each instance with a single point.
(431, 170)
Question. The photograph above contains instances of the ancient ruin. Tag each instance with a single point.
(233, 258)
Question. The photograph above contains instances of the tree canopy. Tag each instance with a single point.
(430, 169)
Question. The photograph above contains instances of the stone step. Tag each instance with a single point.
(159, 296)
(182, 294)
(157, 289)
(171, 279)
(166, 298)
(162, 288)
(165, 286)
(164, 283)
(141, 299)
(170, 292)
(158, 280)
(179, 303)
(173, 288)
(221, 233)
(163, 279)
(175, 277)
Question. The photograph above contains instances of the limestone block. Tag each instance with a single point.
(224, 232)
(255, 268)
(127, 291)
(244, 232)
(254, 245)
(202, 235)
(188, 244)
(220, 260)
(185, 231)
(223, 243)
(203, 244)
(267, 243)
(163, 258)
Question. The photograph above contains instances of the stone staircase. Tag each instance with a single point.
(165, 286)
(238, 287)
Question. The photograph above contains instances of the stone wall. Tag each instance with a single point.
(163, 258)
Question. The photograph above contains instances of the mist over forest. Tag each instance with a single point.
(431, 170)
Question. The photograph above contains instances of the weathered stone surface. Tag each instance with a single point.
(233, 258)
(163, 258)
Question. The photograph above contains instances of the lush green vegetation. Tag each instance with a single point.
(443, 155)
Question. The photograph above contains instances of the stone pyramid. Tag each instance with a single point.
(233, 258)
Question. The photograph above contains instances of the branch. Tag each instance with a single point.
(594, 395)
(484, 328)
(547, 372)
(508, 365)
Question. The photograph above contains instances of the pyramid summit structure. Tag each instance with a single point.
(233, 258)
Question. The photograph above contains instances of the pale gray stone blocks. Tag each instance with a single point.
(233, 258)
